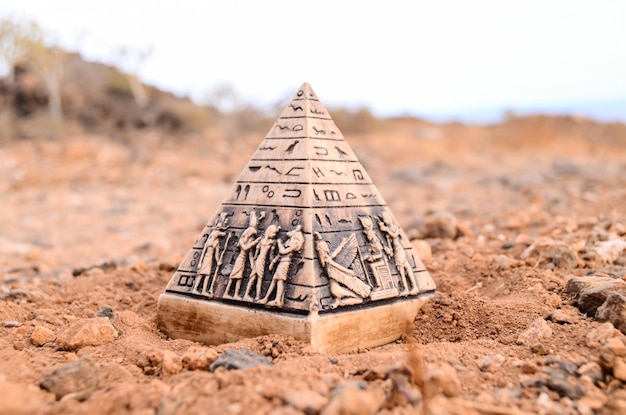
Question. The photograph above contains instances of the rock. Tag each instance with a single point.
(538, 349)
(506, 262)
(234, 359)
(615, 346)
(79, 378)
(568, 367)
(589, 293)
(307, 401)
(442, 378)
(610, 352)
(600, 335)
(538, 330)
(440, 224)
(423, 249)
(529, 367)
(105, 311)
(590, 369)
(610, 250)
(12, 324)
(619, 369)
(565, 384)
(87, 332)
(171, 364)
(41, 335)
(613, 310)
(594, 398)
(613, 272)
(489, 363)
(199, 358)
(560, 316)
(17, 399)
(150, 361)
(128, 318)
(564, 257)
(354, 398)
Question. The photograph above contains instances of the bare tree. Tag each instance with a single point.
(129, 61)
(48, 63)
(16, 42)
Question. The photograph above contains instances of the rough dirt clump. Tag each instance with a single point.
(522, 226)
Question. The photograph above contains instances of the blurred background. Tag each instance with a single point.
(154, 61)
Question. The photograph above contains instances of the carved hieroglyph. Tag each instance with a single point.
(304, 231)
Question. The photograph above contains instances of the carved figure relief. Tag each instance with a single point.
(286, 250)
(210, 254)
(264, 250)
(396, 249)
(345, 286)
(247, 241)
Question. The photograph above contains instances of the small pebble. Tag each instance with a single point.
(234, 359)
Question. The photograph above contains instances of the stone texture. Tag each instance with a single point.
(87, 332)
(41, 335)
(619, 369)
(128, 318)
(560, 316)
(199, 358)
(307, 401)
(234, 359)
(537, 331)
(354, 398)
(442, 378)
(589, 293)
(613, 310)
(171, 364)
(599, 335)
(105, 311)
(79, 378)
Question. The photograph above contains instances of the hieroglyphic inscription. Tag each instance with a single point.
(292, 193)
(246, 191)
(292, 171)
(341, 153)
(269, 193)
(291, 147)
(318, 172)
(274, 169)
(332, 196)
(321, 151)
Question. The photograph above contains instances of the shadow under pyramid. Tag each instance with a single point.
(304, 245)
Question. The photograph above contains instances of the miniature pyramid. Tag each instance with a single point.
(303, 235)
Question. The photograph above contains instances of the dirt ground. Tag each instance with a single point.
(502, 217)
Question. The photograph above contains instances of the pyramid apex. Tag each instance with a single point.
(305, 92)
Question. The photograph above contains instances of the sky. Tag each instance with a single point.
(444, 60)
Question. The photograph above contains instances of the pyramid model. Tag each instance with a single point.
(303, 230)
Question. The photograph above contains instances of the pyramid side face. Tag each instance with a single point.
(303, 188)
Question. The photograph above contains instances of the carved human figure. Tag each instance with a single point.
(210, 254)
(294, 243)
(247, 241)
(264, 250)
(344, 284)
(392, 231)
(375, 246)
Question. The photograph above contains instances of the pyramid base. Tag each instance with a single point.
(213, 323)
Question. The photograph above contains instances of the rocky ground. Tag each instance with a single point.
(522, 226)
